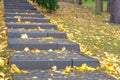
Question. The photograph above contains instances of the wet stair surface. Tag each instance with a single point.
(23, 18)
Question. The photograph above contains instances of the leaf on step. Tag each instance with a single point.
(24, 71)
(19, 20)
(27, 22)
(35, 77)
(15, 69)
(50, 50)
(54, 68)
(39, 28)
(24, 36)
(63, 49)
(17, 16)
(49, 79)
(26, 49)
(67, 69)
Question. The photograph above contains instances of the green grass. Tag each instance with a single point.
(91, 4)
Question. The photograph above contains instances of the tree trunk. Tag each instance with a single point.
(115, 11)
(109, 3)
(79, 2)
(99, 6)
(71, 1)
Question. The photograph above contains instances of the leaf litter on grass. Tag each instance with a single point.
(96, 36)
(4, 54)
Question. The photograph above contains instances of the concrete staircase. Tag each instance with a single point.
(22, 18)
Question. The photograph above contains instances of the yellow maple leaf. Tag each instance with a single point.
(84, 66)
(24, 36)
(67, 69)
(2, 62)
(49, 79)
(63, 48)
(77, 68)
(50, 50)
(19, 19)
(14, 68)
(54, 68)
(2, 76)
(26, 49)
(24, 71)
(17, 16)
(91, 69)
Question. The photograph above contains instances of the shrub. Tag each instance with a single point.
(48, 4)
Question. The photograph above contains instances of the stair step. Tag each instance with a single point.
(30, 26)
(59, 75)
(20, 11)
(24, 15)
(21, 8)
(21, 44)
(36, 34)
(13, 1)
(45, 60)
(34, 20)
(17, 5)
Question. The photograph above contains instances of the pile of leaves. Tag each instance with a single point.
(97, 37)
(4, 57)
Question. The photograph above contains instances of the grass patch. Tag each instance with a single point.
(91, 4)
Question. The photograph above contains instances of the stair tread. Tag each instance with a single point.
(20, 44)
(36, 33)
(60, 75)
(47, 59)
(31, 25)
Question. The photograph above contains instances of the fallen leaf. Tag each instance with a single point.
(54, 68)
(24, 36)
(26, 49)
(15, 69)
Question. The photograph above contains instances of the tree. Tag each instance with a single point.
(115, 11)
(79, 2)
(99, 6)
(71, 1)
(108, 5)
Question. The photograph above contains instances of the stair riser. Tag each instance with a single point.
(57, 75)
(13, 1)
(61, 64)
(24, 15)
(18, 5)
(30, 26)
(19, 8)
(19, 44)
(20, 11)
(29, 20)
(36, 34)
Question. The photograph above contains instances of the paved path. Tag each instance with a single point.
(23, 19)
